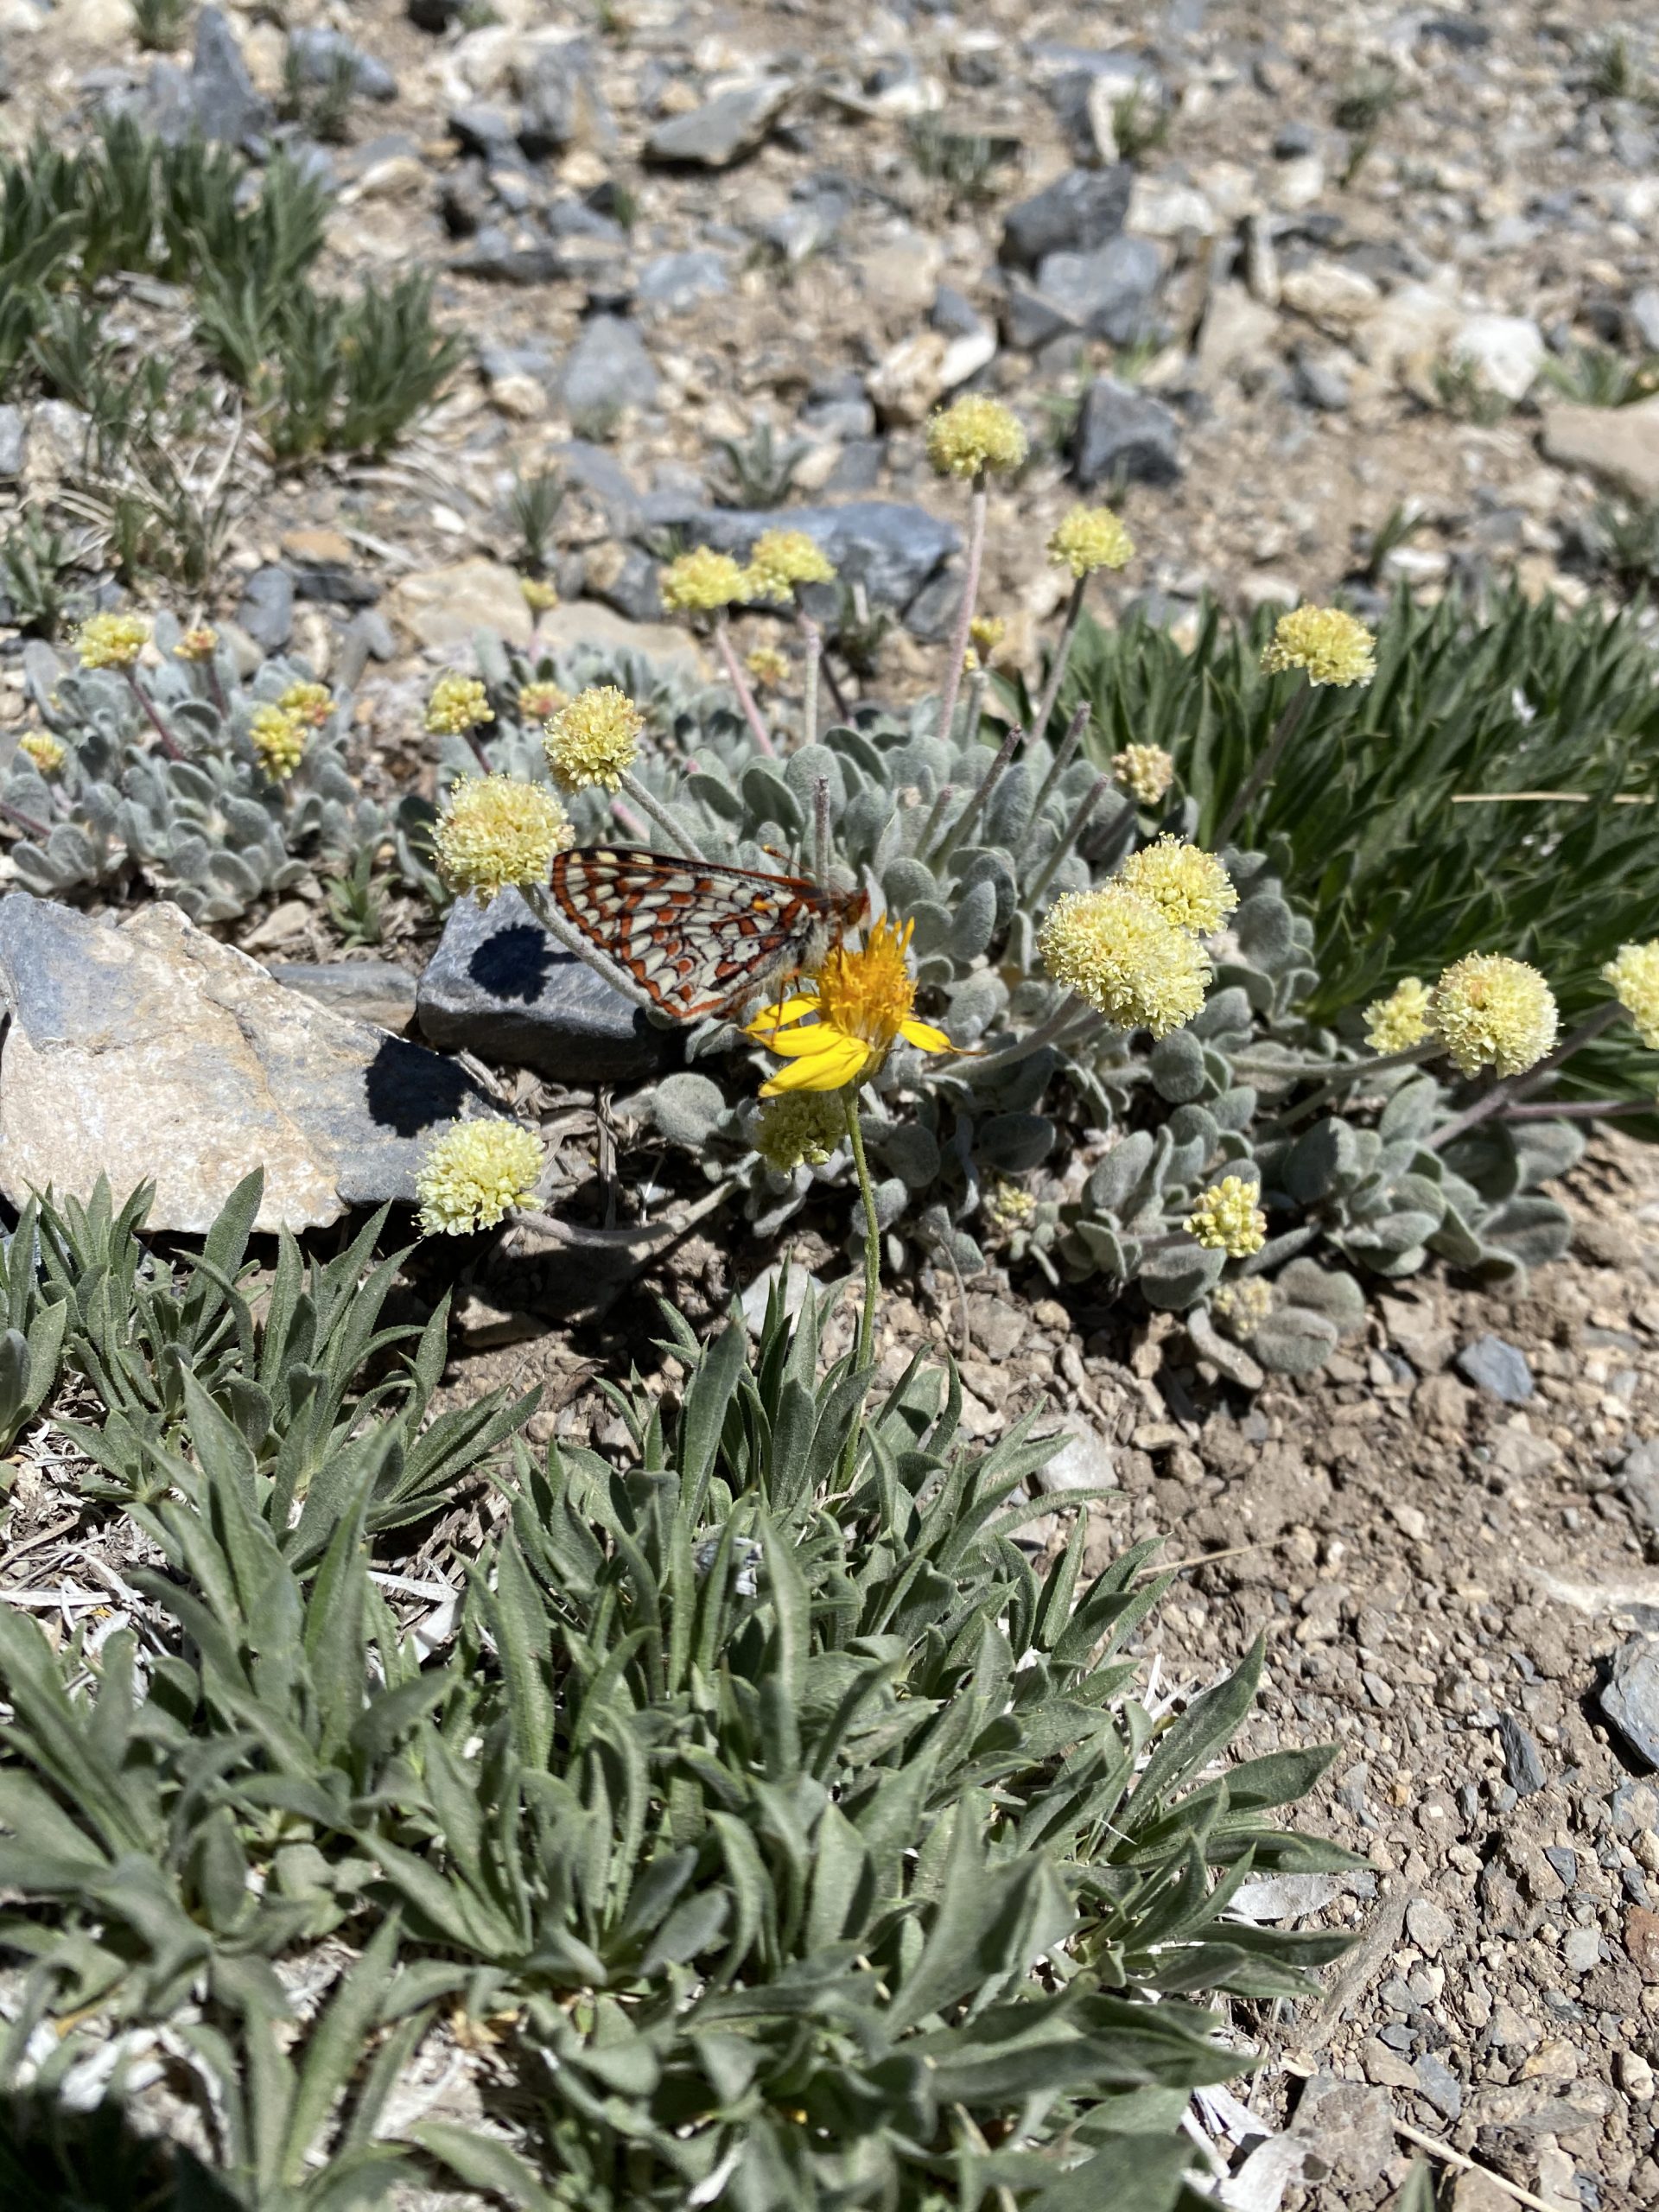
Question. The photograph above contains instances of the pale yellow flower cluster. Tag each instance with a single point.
(1328, 646)
(277, 736)
(1146, 771)
(1491, 1011)
(1228, 1219)
(1243, 1306)
(1188, 885)
(111, 640)
(312, 703)
(495, 832)
(43, 749)
(783, 558)
(973, 435)
(701, 582)
(476, 1173)
(1123, 955)
(799, 1128)
(594, 740)
(199, 644)
(1635, 978)
(1089, 539)
(458, 703)
(1397, 1022)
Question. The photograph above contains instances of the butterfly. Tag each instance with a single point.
(697, 937)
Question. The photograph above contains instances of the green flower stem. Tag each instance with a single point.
(1062, 655)
(1265, 761)
(1510, 1090)
(935, 815)
(1576, 1109)
(1067, 838)
(969, 814)
(1064, 752)
(1354, 1071)
(1071, 1010)
(169, 744)
(740, 686)
(666, 820)
(864, 1357)
(813, 641)
(535, 896)
(958, 645)
(215, 685)
(475, 744)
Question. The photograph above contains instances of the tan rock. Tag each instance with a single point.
(154, 1053)
(908, 380)
(1237, 330)
(585, 622)
(444, 606)
(1619, 444)
(319, 547)
(1338, 299)
(105, 23)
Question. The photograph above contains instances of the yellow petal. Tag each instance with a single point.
(809, 1037)
(832, 1070)
(773, 1017)
(925, 1035)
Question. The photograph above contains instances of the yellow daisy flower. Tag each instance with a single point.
(839, 1030)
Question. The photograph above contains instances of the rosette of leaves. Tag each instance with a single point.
(211, 831)
(799, 1840)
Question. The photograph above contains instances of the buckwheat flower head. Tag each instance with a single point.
(702, 581)
(111, 640)
(539, 593)
(199, 644)
(1146, 771)
(1327, 644)
(278, 741)
(800, 1129)
(985, 634)
(475, 1173)
(1635, 978)
(495, 832)
(458, 703)
(1123, 955)
(1005, 1209)
(43, 749)
(1491, 1011)
(1089, 539)
(312, 703)
(594, 738)
(1243, 1306)
(1395, 1023)
(1228, 1219)
(539, 702)
(784, 558)
(975, 433)
(1188, 885)
(767, 666)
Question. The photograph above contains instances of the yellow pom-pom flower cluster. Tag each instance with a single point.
(701, 582)
(985, 634)
(1089, 539)
(1188, 885)
(43, 749)
(1126, 957)
(1327, 644)
(800, 1129)
(782, 559)
(539, 593)
(476, 1173)
(458, 703)
(312, 703)
(1491, 1011)
(1243, 1306)
(199, 644)
(767, 666)
(495, 832)
(1146, 771)
(111, 640)
(1635, 978)
(974, 434)
(1228, 1219)
(1397, 1022)
(594, 738)
(277, 737)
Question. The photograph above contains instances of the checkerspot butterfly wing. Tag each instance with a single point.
(697, 937)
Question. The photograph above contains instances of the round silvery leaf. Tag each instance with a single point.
(1178, 1275)
(686, 1107)
(1324, 1290)
(1295, 1340)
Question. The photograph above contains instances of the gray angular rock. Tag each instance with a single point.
(493, 256)
(1123, 433)
(1630, 1697)
(226, 107)
(892, 548)
(603, 475)
(1638, 1485)
(674, 282)
(608, 368)
(267, 609)
(1079, 211)
(722, 129)
(1643, 316)
(1523, 1767)
(12, 436)
(1439, 2085)
(152, 1052)
(316, 52)
(375, 991)
(1106, 292)
(563, 101)
(498, 985)
(1491, 1364)
(487, 131)
(630, 587)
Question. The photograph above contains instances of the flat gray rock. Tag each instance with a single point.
(1076, 213)
(722, 129)
(608, 368)
(1630, 1697)
(154, 1053)
(1491, 1364)
(377, 991)
(890, 547)
(1125, 434)
(500, 986)
(226, 108)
